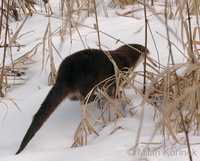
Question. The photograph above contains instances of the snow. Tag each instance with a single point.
(53, 141)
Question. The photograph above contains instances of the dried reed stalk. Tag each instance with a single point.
(4, 53)
(53, 73)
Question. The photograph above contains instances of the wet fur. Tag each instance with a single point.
(77, 75)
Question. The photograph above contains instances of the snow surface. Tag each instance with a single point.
(53, 141)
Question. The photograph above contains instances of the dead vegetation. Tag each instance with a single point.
(175, 96)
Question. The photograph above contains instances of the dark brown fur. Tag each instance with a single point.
(77, 75)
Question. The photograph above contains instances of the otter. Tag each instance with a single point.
(78, 74)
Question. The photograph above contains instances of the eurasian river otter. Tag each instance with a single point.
(78, 74)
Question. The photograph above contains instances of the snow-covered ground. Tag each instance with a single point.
(53, 141)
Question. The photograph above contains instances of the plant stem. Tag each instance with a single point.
(97, 24)
(145, 54)
(4, 51)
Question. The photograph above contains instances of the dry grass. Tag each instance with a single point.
(175, 97)
(14, 74)
(109, 108)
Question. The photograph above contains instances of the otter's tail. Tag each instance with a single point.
(56, 95)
